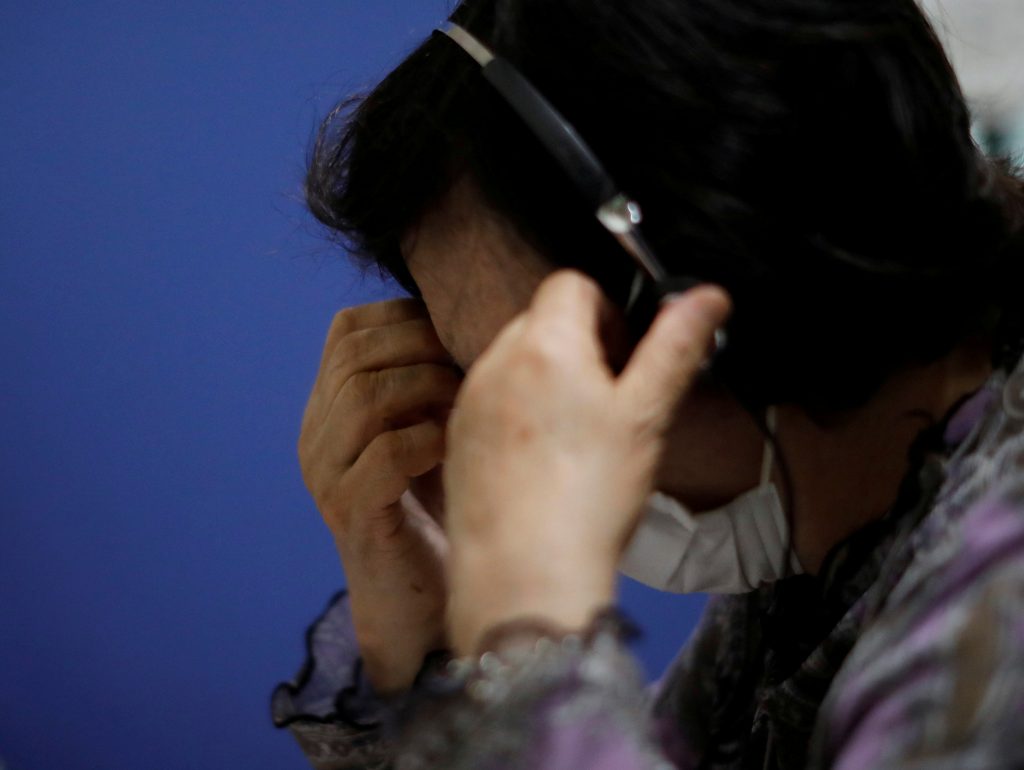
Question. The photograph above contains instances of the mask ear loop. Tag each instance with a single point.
(768, 456)
(793, 565)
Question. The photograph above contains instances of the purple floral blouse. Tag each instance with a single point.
(905, 651)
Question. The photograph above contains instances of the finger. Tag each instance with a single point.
(372, 403)
(383, 472)
(375, 314)
(569, 302)
(669, 356)
(506, 337)
(403, 344)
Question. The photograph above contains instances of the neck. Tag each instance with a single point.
(846, 475)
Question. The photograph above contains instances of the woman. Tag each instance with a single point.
(811, 160)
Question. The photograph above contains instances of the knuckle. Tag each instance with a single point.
(685, 352)
(310, 418)
(392, 446)
(540, 352)
(332, 503)
(309, 449)
(330, 499)
(313, 474)
(350, 349)
(310, 453)
(344, 321)
(363, 388)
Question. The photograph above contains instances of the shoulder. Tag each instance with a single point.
(937, 675)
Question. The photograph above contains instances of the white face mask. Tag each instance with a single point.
(732, 549)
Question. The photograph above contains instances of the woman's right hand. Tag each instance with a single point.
(371, 446)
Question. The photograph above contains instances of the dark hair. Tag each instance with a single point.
(814, 157)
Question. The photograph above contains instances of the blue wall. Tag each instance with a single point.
(163, 300)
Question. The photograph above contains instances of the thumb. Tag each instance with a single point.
(669, 356)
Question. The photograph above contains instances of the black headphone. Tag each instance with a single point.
(617, 212)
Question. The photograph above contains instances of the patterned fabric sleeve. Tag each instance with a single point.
(550, 704)
(938, 679)
(330, 708)
(573, 703)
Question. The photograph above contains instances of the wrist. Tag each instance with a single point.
(553, 598)
(392, 667)
(388, 677)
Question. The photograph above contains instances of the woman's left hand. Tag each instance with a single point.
(551, 455)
